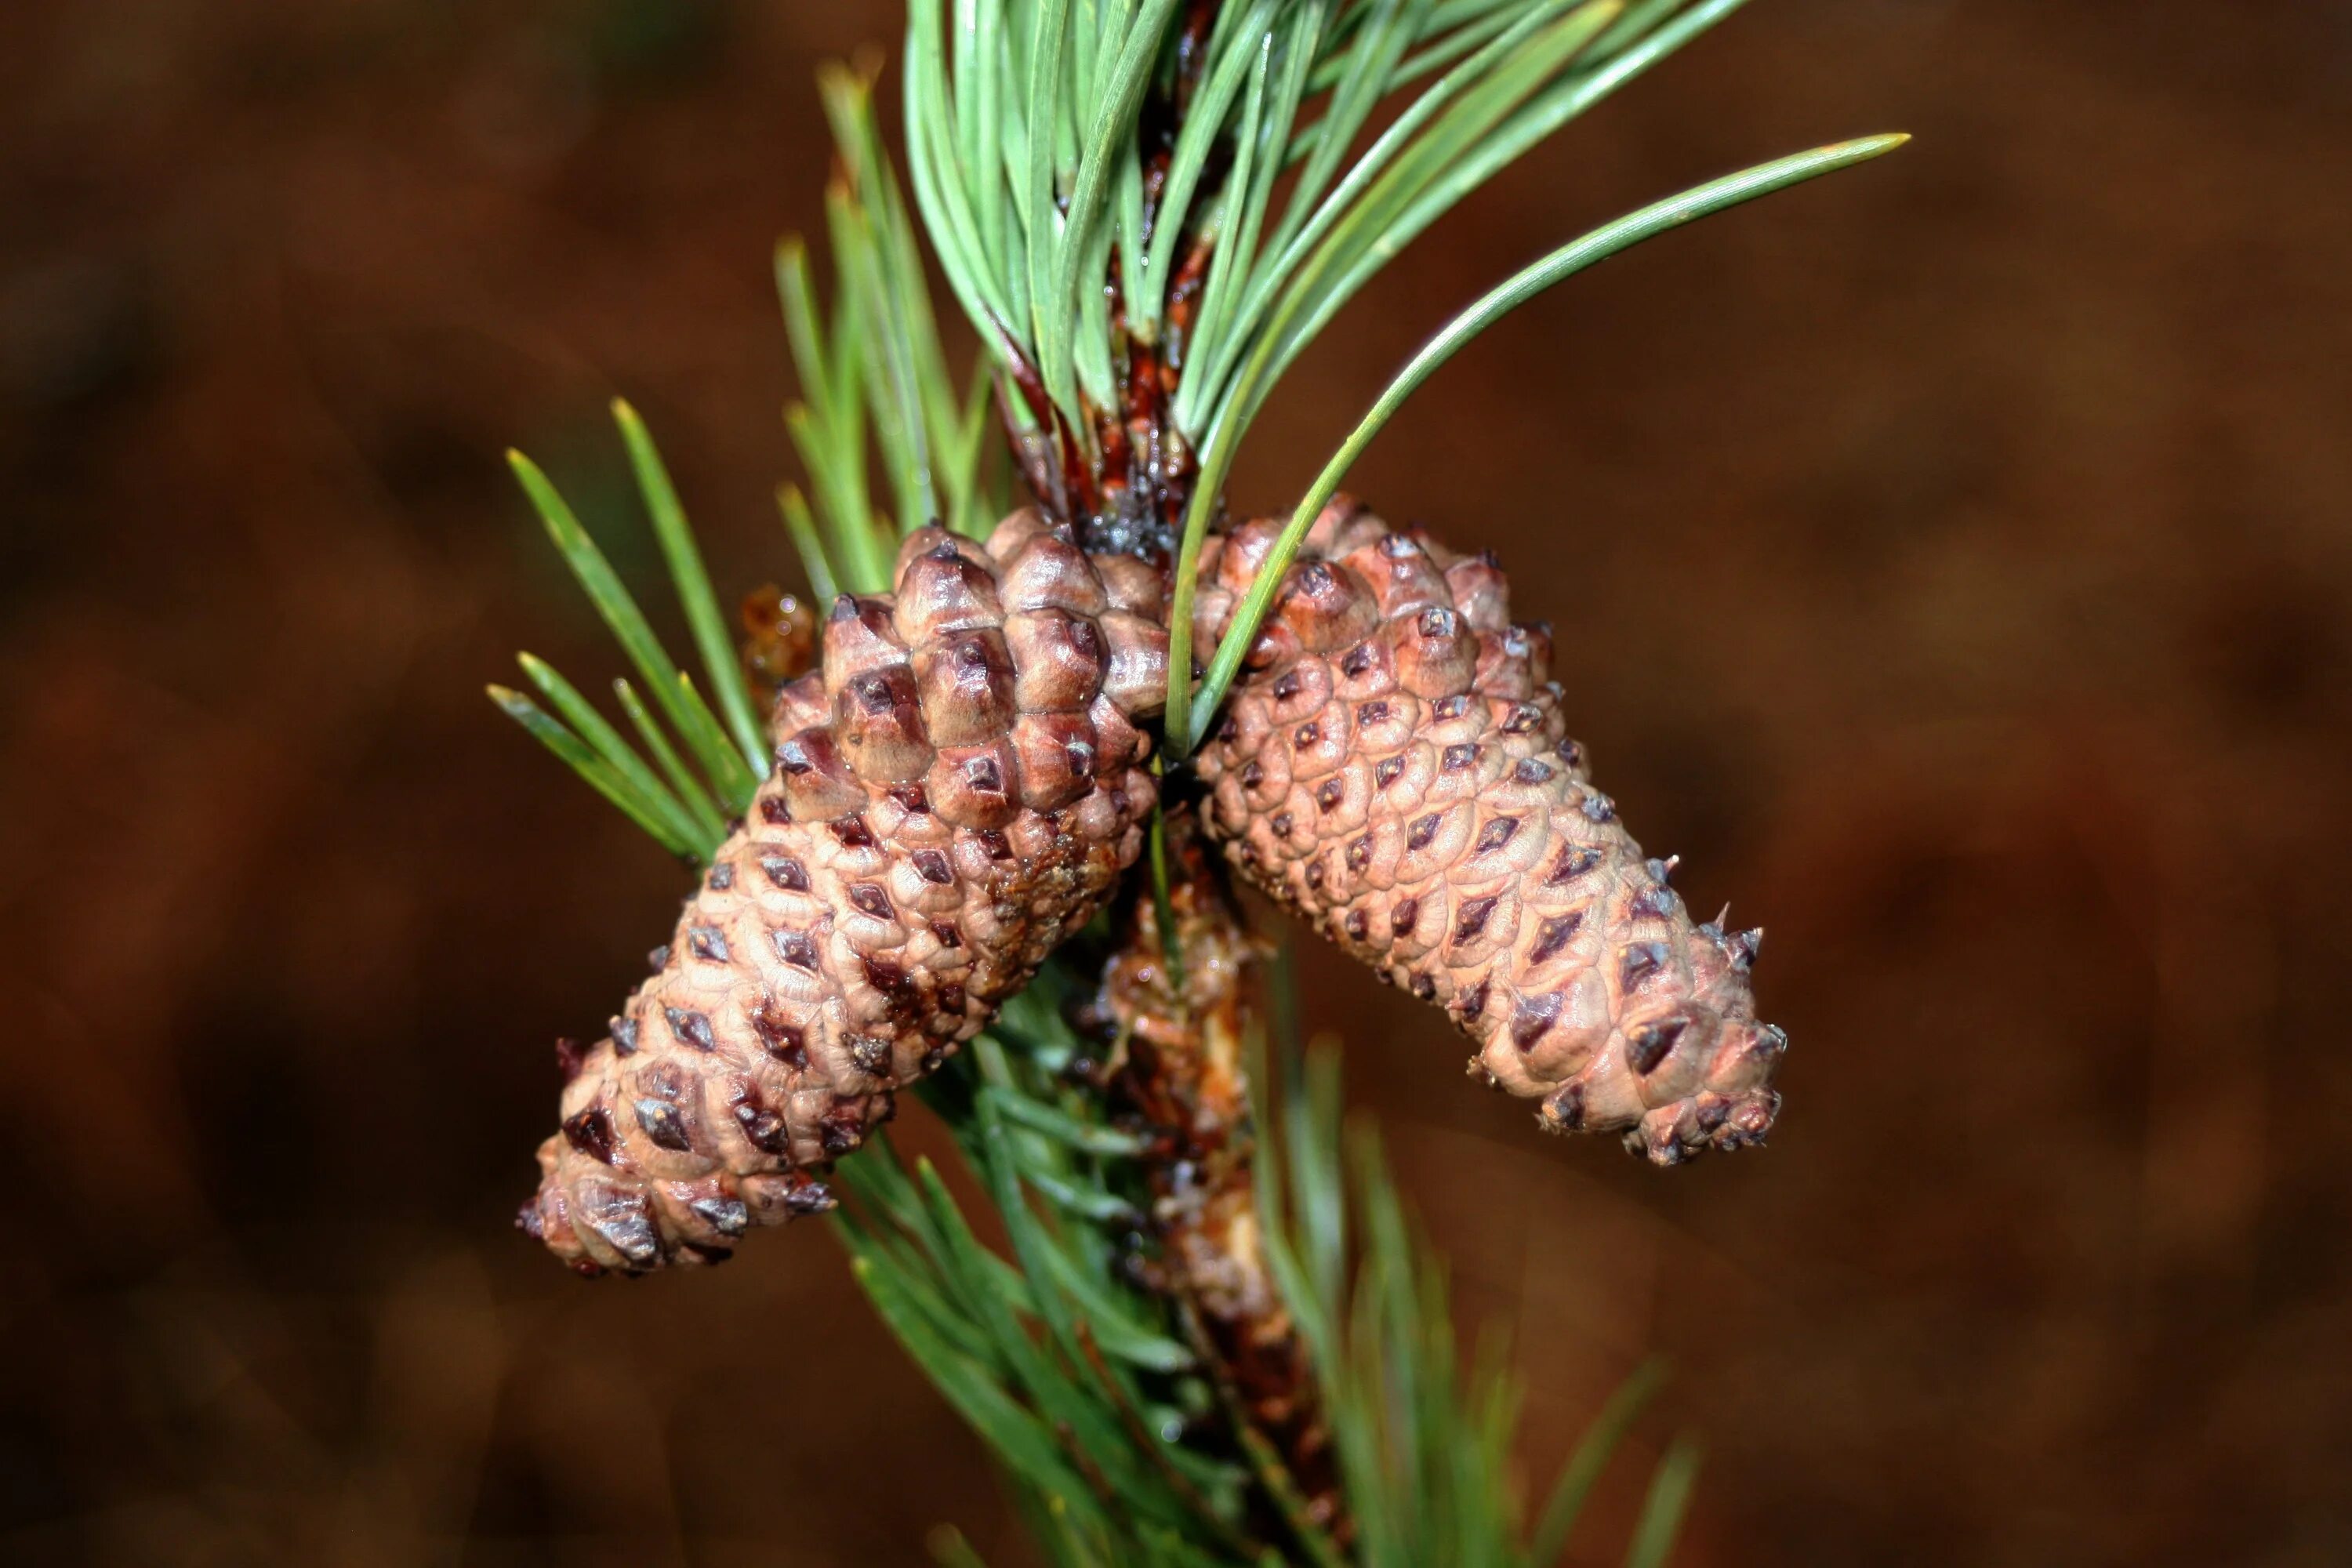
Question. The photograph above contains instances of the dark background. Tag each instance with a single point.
(1952, 560)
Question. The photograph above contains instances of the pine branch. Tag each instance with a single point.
(1217, 1337)
(1216, 1400)
(1166, 1410)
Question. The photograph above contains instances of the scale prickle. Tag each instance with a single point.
(956, 789)
(1394, 768)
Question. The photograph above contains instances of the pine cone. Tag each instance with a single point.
(1393, 767)
(956, 789)
(1183, 1073)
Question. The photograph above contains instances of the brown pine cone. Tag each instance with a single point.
(956, 788)
(1393, 767)
(1181, 1067)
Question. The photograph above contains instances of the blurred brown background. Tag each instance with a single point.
(1953, 562)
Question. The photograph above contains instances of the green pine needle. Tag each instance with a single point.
(949, 1548)
(577, 755)
(720, 760)
(1423, 1442)
(711, 827)
(711, 636)
(1089, 1137)
(1184, 731)
(1663, 1509)
(1026, 1442)
(1026, 226)
(675, 800)
(1582, 1471)
(1118, 99)
(1040, 218)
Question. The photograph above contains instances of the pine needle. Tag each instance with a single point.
(1582, 1471)
(721, 762)
(1716, 195)
(1662, 1510)
(675, 800)
(583, 760)
(692, 579)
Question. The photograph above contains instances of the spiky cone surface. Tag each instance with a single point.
(956, 788)
(1178, 1030)
(1393, 766)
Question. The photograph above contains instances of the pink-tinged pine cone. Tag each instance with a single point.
(957, 788)
(1393, 766)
